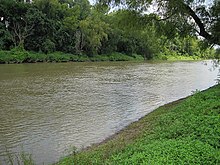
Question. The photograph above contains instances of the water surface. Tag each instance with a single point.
(47, 108)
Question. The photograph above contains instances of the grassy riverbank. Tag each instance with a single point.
(21, 56)
(183, 132)
(175, 57)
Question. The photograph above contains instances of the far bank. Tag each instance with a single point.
(18, 56)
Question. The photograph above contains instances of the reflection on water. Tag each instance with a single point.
(46, 108)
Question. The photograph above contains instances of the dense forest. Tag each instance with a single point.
(79, 28)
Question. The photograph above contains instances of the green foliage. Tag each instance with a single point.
(215, 12)
(182, 132)
(119, 57)
(217, 53)
(76, 27)
(57, 57)
(172, 56)
(48, 46)
(5, 37)
(18, 55)
(94, 30)
(167, 152)
(204, 20)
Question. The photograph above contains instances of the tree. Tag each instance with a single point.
(78, 12)
(205, 20)
(126, 37)
(16, 19)
(5, 39)
(40, 32)
(94, 31)
(215, 27)
(51, 28)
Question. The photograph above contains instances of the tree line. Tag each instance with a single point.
(76, 27)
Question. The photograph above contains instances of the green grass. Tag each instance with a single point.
(183, 132)
(175, 57)
(22, 56)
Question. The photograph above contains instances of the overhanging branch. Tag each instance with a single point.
(202, 31)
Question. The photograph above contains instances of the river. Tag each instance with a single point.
(47, 108)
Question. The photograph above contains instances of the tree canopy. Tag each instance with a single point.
(193, 16)
(78, 28)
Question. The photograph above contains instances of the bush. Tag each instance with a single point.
(58, 57)
(22, 56)
(48, 46)
(16, 55)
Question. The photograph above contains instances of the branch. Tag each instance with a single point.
(201, 26)
(27, 30)
(15, 28)
(166, 18)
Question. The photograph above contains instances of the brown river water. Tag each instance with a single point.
(46, 109)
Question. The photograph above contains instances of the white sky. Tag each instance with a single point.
(92, 1)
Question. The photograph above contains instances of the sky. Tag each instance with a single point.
(92, 1)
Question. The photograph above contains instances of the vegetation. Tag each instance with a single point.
(183, 132)
(66, 30)
(22, 56)
(189, 17)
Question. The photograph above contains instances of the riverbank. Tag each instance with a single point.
(176, 57)
(14, 57)
(186, 131)
(21, 56)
